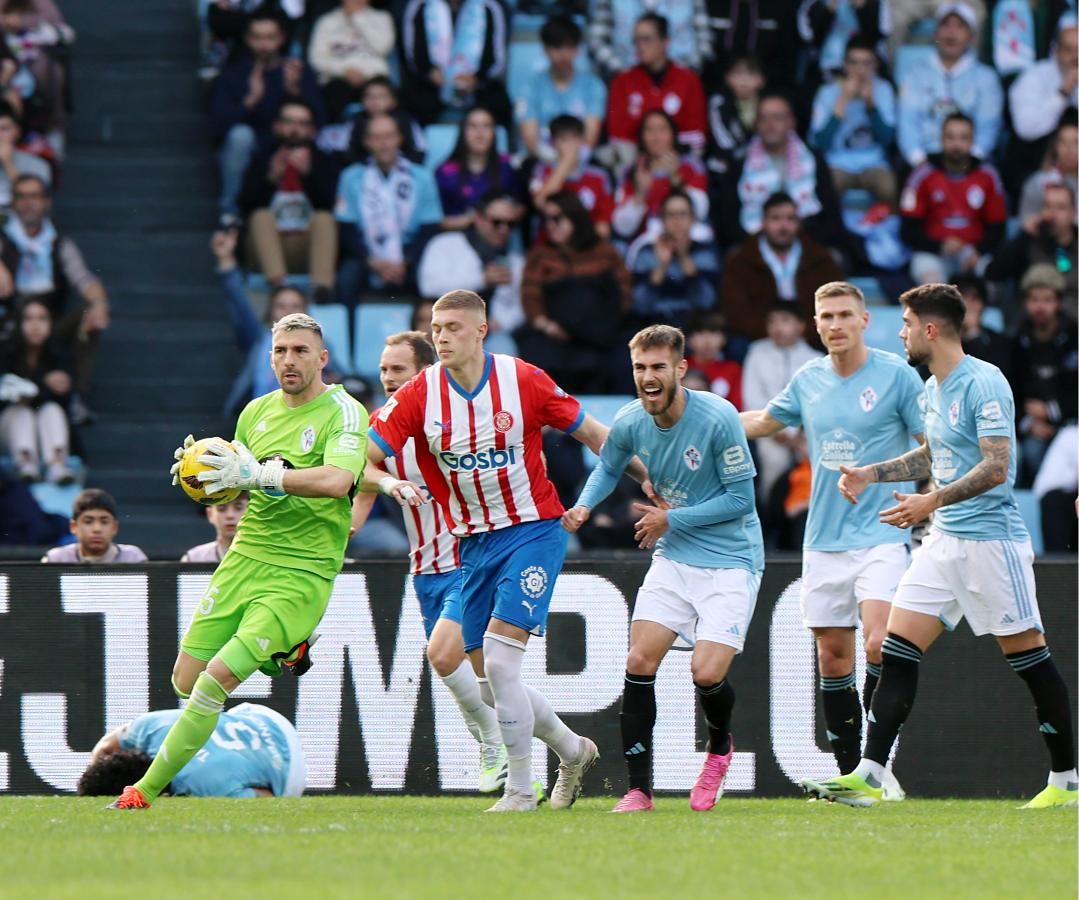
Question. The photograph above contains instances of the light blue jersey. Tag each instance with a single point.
(542, 99)
(252, 746)
(864, 418)
(975, 401)
(702, 468)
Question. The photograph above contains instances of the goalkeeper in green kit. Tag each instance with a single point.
(300, 450)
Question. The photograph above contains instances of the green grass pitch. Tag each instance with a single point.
(435, 847)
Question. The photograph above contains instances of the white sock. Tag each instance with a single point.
(1062, 779)
(502, 659)
(479, 717)
(872, 772)
(485, 691)
(550, 729)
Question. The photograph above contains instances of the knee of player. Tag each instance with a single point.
(444, 660)
(834, 660)
(873, 641)
(709, 672)
(640, 663)
(181, 685)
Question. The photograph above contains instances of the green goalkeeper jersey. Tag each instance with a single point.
(308, 533)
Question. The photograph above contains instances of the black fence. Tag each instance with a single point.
(82, 650)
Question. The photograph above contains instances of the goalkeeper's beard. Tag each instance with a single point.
(297, 385)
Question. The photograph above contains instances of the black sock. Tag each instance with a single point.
(638, 721)
(717, 701)
(1050, 694)
(893, 697)
(843, 719)
(872, 676)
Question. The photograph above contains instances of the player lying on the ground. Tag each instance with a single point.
(307, 450)
(709, 554)
(476, 419)
(435, 563)
(976, 562)
(856, 403)
(253, 752)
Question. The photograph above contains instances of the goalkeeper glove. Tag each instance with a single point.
(234, 466)
(178, 455)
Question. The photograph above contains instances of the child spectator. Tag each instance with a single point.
(732, 112)
(571, 172)
(348, 46)
(95, 524)
(706, 339)
(562, 89)
(35, 430)
(475, 168)
(224, 518)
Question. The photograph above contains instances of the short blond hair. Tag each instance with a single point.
(461, 299)
(838, 289)
(298, 322)
(660, 336)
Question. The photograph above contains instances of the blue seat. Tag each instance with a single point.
(374, 323)
(883, 331)
(910, 57)
(993, 318)
(333, 317)
(1031, 512)
(603, 407)
(871, 290)
(55, 498)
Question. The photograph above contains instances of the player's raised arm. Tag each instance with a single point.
(759, 423)
(593, 434)
(912, 466)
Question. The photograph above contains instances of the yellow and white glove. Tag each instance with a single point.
(234, 466)
(178, 455)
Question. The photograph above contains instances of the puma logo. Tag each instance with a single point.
(531, 607)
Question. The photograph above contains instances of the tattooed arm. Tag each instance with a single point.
(912, 466)
(986, 475)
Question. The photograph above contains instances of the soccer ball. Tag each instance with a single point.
(189, 475)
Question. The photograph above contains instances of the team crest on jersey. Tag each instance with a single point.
(307, 439)
(534, 581)
(692, 458)
(975, 196)
(868, 399)
(953, 412)
(503, 421)
(261, 426)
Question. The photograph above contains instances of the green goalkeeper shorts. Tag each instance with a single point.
(270, 609)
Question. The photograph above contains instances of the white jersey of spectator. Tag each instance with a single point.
(1037, 98)
(1060, 467)
(361, 41)
(210, 552)
(117, 553)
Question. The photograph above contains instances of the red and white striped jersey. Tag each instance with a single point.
(480, 453)
(433, 547)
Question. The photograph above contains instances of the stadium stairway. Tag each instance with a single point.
(138, 197)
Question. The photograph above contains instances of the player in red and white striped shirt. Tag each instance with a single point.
(476, 420)
(435, 566)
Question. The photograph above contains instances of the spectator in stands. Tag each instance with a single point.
(979, 341)
(905, 13)
(562, 89)
(706, 341)
(454, 56)
(379, 97)
(245, 101)
(854, 123)
(224, 519)
(611, 26)
(1050, 238)
(829, 25)
(768, 29)
(1060, 164)
(953, 207)
(49, 267)
(13, 161)
(1040, 95)
(673, 274)
(951, 81)
(575, 292)
(572, 172)
(421, 316)
(348, 46)
(288, 197)
(388, 208)
(732, 112)
(474, 168)
(228, 20)
(655, 83)
(777, 160)
(480, 259)
(1044, 367)
(1055, 487)
(252, 335)
(37, 34)
(782, 263)
(769, 365)
(95, 523)
(35, 429)
(659, 169)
